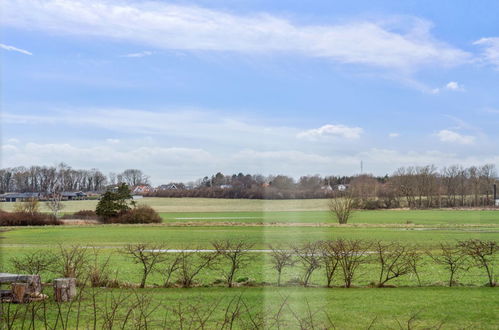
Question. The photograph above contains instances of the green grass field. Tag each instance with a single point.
(464, 308)
(195, 223)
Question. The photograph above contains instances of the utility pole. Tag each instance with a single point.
(361, 167)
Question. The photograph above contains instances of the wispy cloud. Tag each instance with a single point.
(15, 49)
(139, 54)
(490, 50)
(168, 26)
(328, 131)
(454, 137)
(394, 135)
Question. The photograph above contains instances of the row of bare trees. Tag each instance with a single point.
(340, 260)
(49, 179)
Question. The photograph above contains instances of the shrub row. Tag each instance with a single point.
(27, 219)
(341, 261)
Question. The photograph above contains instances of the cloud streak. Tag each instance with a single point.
(167, 26)
(15, 49)
(331, 131)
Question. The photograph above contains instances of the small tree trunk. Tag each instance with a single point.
(64, 289)
(19, 290)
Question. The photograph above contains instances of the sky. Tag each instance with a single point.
(184, 89)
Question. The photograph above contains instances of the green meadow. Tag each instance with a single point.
(195, 223)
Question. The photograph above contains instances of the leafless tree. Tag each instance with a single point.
(236, 253)
(34, 263)
(482, 253)
(393, 261)
(192, 263)
(281, 258)
(171, 264)
(351, 254)
(147, 255)
(73, 260)
(29, 205)
(342, 207)
(309, 255)
(55, 204)
(415, 260)
(452, 258)
(329, 260)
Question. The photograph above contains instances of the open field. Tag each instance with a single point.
(204, 205)
(452, 308)
(182, 210)
(196, 223)
(185, 237)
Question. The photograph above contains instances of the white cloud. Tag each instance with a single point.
(454, 86)
(406, 44)
(15, 49)
(490, 50)
(394, 135)
(139, 54)
(113, 141)
(454, 137)
(328, 131)
(450, 86)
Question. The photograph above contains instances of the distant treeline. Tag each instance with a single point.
(415, 187)
(48, 179)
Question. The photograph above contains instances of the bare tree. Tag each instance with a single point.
(281, 258)
(329, 260)
(351, 254)
(482, 253)
(393, 261)
(73, 260)
(452, 257)
(237, 255)
(147, 255)
(310, 257)
(55, 204)
(29, 205)
(342, 207)
(415, 260)
(192, 262)
(34, 263)
(171, 264)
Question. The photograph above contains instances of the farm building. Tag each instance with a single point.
(73, 195)
(18, 197)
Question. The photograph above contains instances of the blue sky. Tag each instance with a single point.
(182, 89)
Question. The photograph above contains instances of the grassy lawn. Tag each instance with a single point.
(418, 217)
(189, 237)
(455, 308)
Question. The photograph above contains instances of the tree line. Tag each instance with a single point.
(413, 186)
(50, 179)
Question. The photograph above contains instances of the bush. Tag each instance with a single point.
(27, 219)
(140, 214)
(83, 214)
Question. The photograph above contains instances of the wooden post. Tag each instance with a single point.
(64, 289)
(18, 292)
